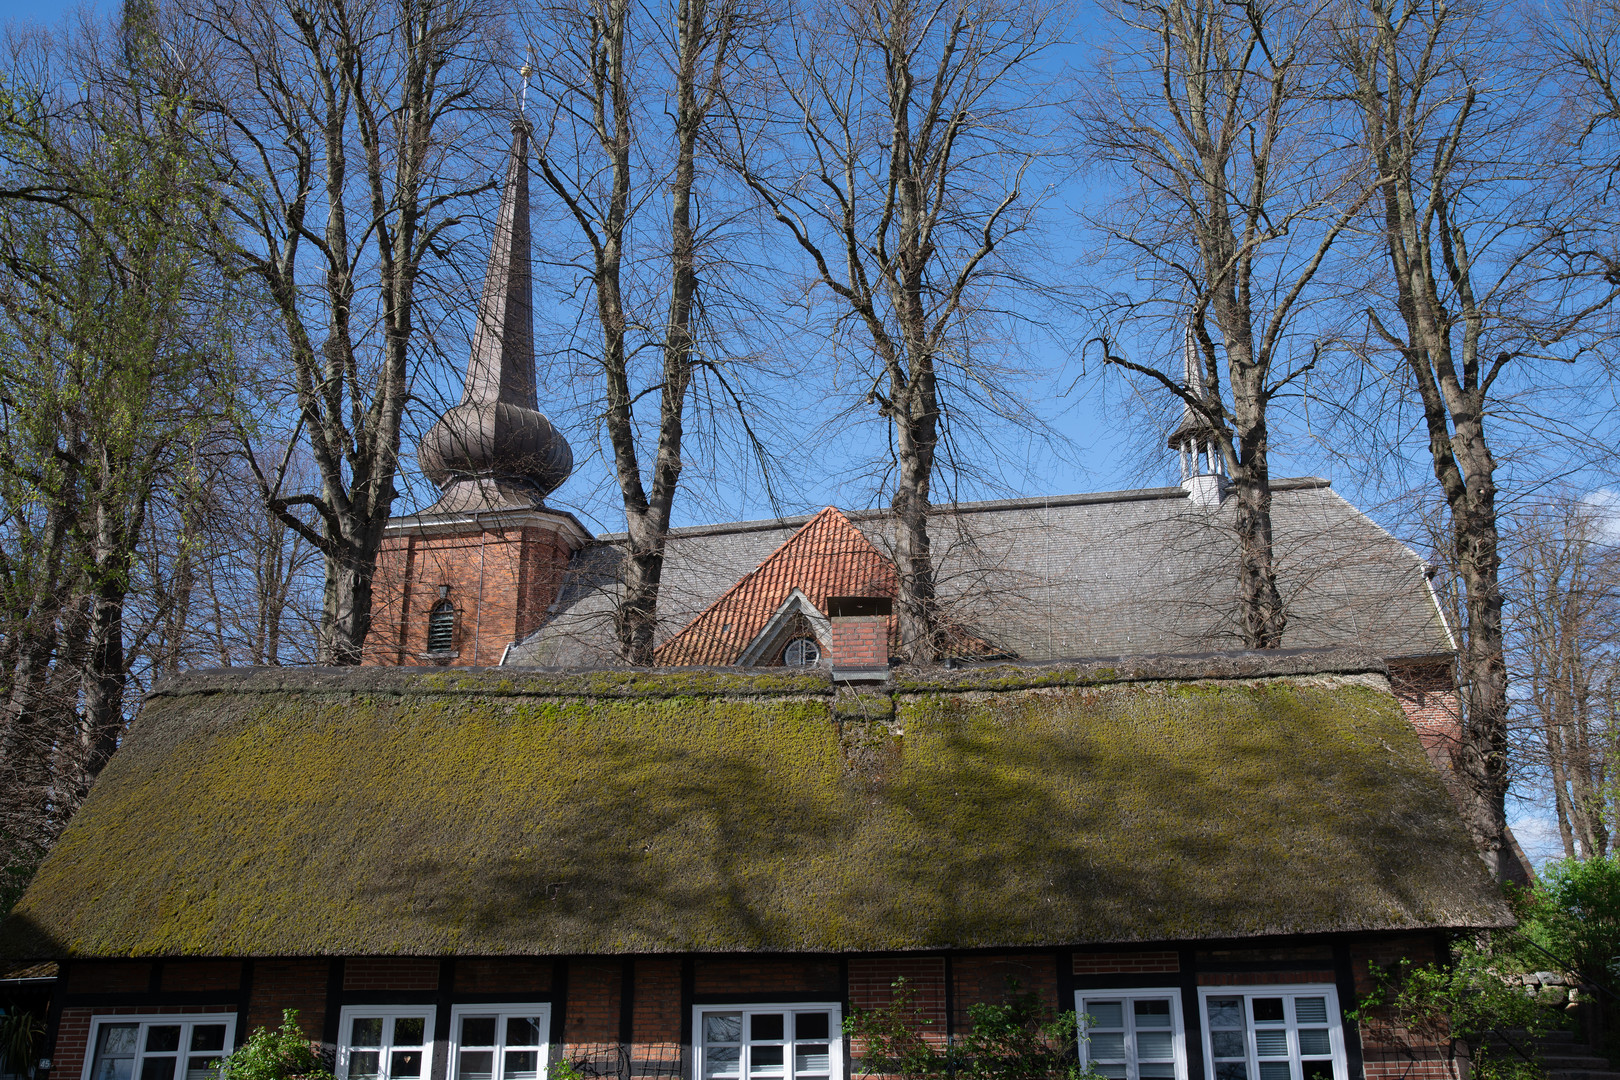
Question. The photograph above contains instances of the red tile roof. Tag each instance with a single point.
(827, 557)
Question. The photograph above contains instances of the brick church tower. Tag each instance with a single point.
(475, 572)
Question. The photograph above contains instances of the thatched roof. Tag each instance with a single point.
(384, 811)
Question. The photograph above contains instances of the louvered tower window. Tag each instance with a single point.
(442, 627)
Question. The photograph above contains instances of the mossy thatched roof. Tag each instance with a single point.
(378, 812)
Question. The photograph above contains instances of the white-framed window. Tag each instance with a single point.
(1133, 1034)
(173, 1047)
(769, 1042)
(385, 1042)
(1272, 1033)
(499, 1042)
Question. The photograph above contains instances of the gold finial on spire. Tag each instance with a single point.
(526, 70)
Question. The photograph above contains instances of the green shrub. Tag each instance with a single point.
(1455, 1007)
(22, 1036)
(1018, 1040)
(283, 1054)
(1574, 915)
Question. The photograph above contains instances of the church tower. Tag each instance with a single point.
(1196, 440)
(476, 571)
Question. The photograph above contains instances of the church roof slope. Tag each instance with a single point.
(491, 812)
(1107, 574)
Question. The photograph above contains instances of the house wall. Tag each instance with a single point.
(632, 1016)
(501, 581)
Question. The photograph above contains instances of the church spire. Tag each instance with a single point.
(496, 439)
(1195, 439)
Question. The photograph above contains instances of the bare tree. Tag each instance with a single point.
(1237, 190)
(346, 182)
(606, 160)
(896, 161)
(1475, 290)
(1564, 600)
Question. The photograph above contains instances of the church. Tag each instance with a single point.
(490, 849)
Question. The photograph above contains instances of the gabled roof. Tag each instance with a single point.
(386, 811)
(1108, 574)
(826, 557)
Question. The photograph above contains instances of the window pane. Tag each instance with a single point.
(201, 1068)
(522, 1064)
(722, 1027)
(408, 1031)
(1157, 1070)
(477, 1031)
(1268, 1011)
(1106, 1014)
(405, 1063)
(1115, 1072)
(208, 1037)
(157, 1068)
(163, 1038)
(363, 1062)
(366, 1031)
(117, 1068)
(1318, 1070)
(810, 1025)
(1231, 1070)
(476, 1064)
(1271, 1043)
(1228, 1044)
(1274, 1070)
(117, 1038)
(765, 1026)
(1310, 1010)
(1225, 1012)
(1152, 1013)
(1108, 1045)
(765, 1059)
(722, 1060)
(1154, 1046)
(522, 1031)
(1313, 1042)
(812, 1058)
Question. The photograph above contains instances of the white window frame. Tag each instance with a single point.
(346, 1017)
(835, 1033)
(1178, 1029)
(500, 1011)
(1341, 1067)
(144, 1019)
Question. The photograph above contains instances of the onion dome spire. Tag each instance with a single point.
(497, 438)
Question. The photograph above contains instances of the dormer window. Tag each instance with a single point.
(441, 635)
(801, 652)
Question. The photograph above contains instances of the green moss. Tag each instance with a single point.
(413, 817)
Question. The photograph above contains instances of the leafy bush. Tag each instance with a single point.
(283, 1054)
(22, 1035)
(1574, 915)
(1453, 1008)
(1018, 1040)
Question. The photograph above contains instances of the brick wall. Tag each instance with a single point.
(501, 583)
(1429, 698)
(288, 984)
(501, 976)
(194, 975)
(390, 973)
(112, 977)
(871, 986)
(768, 975)
(860, 641)
(985, 978)
(1126, 963)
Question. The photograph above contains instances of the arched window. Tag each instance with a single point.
(442, 627)
(801, 652)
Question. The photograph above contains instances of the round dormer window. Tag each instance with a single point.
(801, 652)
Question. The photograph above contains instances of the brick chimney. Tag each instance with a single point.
(477, 570)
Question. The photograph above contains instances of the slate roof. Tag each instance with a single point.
(827, 557)
(1111, 574)
(396, 811)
